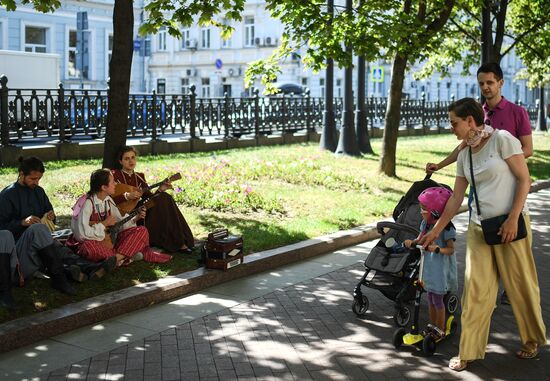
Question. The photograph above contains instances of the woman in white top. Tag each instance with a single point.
(94, 213)
(502, 183)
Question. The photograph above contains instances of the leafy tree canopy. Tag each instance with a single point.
(523, 25)
(376, 29)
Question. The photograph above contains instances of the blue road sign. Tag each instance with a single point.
(219, 64)
(377, 74)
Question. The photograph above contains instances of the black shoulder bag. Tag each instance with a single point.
(491, 226)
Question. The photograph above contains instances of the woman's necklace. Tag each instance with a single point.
(131, 175)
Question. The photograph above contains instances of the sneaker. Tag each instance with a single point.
(138, 257)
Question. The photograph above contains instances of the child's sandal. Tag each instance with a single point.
(457, 364)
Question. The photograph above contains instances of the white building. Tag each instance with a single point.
(27, 30)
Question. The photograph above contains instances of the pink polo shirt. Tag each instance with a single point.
(508, 116)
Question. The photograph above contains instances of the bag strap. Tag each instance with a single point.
(474, 182)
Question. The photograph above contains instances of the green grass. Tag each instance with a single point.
(273, 196)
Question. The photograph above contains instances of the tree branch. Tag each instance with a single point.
(441, 20)
(519, 40)
(464, 31)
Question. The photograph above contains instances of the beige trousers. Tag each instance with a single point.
(513, 263)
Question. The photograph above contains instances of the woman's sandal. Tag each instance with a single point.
(527, 354)
(457, 364)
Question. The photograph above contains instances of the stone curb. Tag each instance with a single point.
(43, 325)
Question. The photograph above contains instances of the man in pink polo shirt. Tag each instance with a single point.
(499, 113)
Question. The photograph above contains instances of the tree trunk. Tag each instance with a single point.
(393, 115)
(120, 69)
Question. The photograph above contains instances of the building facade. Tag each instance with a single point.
(34, 33)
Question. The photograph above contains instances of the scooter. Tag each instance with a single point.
(424, 338)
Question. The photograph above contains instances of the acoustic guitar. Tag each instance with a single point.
(112, 231)
(129, 205)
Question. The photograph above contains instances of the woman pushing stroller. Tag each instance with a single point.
(439, 272)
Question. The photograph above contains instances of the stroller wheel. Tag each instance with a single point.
(360, 307)
(428, 345)
(402, 316)
(398, 337)
(451, 303)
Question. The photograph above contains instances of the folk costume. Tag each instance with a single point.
(88, 233)
(166, 225)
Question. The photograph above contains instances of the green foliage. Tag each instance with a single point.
(375, 30)
(44, 6)
(177, 14)
(520, 24)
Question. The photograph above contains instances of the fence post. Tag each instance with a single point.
(5, 132)
(226, 120)
(154, 117)
(192, 112)
(423, 111)
(256, 113)
(61, 112)
(308, 113)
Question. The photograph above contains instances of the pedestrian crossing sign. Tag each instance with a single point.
(377, 74)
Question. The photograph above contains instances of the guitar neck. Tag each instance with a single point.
(131, 215)
(174, 177)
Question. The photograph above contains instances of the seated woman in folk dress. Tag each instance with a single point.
(166, 225)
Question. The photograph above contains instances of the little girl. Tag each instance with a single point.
(439, 273)
(96, 211)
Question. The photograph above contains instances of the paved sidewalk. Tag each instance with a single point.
(293, 323)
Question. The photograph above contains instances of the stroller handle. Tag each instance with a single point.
(437, 249)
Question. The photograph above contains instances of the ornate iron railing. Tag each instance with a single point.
(31, 114)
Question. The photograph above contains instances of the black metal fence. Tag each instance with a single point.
(60, 114)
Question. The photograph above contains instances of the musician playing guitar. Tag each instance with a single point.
(166, 225)
(95, 213)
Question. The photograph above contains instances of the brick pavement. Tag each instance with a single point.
(307, 331)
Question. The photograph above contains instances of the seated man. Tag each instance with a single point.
(22, 206)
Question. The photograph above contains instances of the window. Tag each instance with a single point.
(161, 39)
(185, 86)
(72, 70)
(205, 88)
(249, 31)
(339, 88)
(205, 38)
(185, 36)
(322, 86)
(225, 43)
(161, 86)
(35, 39)
(304, 81)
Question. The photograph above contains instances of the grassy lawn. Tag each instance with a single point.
(273, 196)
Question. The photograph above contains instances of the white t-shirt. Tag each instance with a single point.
(495, 182)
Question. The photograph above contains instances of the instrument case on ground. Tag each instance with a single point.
(223, 250)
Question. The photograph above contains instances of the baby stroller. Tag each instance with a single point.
(390, 267)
